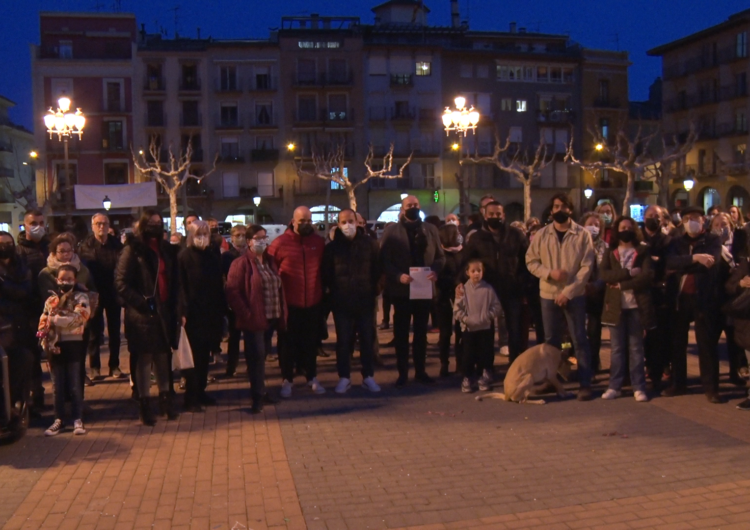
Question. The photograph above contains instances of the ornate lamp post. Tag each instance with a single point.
(106, 203)
(461, 120)
(65, 124)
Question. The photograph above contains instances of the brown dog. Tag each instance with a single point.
(531, 372)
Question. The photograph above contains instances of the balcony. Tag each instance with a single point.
(190, 84)
(228, 123)
(403, 114)
(264, 155)
(5, 147)
(427, 149)
(324, 79)
(117, 107)
(694, 65)
(427, 116)
(307, 117)
(258, 121)
(263, 83)
(156, 119)
(607, 103)
(197, 155)
(231, 157)
(190, 120)
(116, 146)
(378, 114)
(6, 172)
(402, 81)
(334, 117)
(228, 86)
(154, 85)
(560, 117)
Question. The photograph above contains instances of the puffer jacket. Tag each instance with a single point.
(135, 280)
(611, 272)
(575, 256)
(351, 271)
(504, 261)
(244, 292)
(101, 261)
(299, 260)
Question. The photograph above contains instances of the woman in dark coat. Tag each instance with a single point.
(739, 282)
(146, 281)
(446, 291)
(201, 309)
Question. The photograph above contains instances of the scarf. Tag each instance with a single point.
(54, 264)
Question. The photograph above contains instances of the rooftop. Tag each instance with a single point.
(740, 18)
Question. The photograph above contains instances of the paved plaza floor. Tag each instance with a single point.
(421, 457)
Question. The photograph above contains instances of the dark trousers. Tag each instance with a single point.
(706, 337)
(404, 310)
(448, 326)
(512, 311)
(479, 349)
(300, 342)
(386, 309)
(348, 325)
(96, 331)
(535, 308)
(196, 379)
(594, 333)
(255, 358)
(656, 346)
(735, 354)
(161, 362)
(66, 376)
(233, 345)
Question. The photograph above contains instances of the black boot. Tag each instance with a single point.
(166, 407)
(145, 414)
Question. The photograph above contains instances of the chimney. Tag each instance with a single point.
(521, 30)
(455, 19)
(512, 27)
(198, 33)
(314, 20)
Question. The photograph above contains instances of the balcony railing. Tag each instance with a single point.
(190, 120)
(264, 155)
(154, 84)
(324, 79)
(607, 103)
(427, 115)
(190, 84)
(228, 122)
(156, 119)
(332, 116)
(6, 147)
(403, 114)
(696, 64)
(117, 146)
(116, 106)
(232, 157)
(226, 85)
(264, 83)
(402, 80)
(563, 117)
(306, 116)
(258, 121)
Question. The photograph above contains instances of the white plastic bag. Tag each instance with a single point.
(182, 357)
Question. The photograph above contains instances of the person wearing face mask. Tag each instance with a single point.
(722, 226)
(606, 212)
(410, 243)
(446, 289)
(626, 269)
(562, 257)
(217, 242)
(693, 291)
(238, 248)
(298, 254)
(33, 248)
(479, 223)
(595, 288)
(255, 293)
(146, 281)
(351, 271)
(502, 250)
(201, 309)
(712, 212)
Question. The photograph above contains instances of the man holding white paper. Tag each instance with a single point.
(412, 258)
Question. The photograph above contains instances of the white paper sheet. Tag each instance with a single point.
(421, 287)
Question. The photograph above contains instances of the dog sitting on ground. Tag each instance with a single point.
(533, 371)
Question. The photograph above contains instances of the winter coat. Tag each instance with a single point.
(227, 258)
(201, 293)
(101, 261)
(16, 301)
(478, 308)
(298, 260)
(244, 292)
(48, 277)
(396, 256)
(34, 255)
(611, 272)
(595, 288)
(658, 244)
(64, 317)
(680, 262)
(733, 289)
(575, 255)
(448, 277)
(504, 261)
(135, 281)
(351, 272)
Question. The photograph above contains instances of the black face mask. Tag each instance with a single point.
(560, 217)
(652, 224)
(305, 229)
(412, 214)
(65, 287)
(494, 223)
(214, 230)
(155, 232)
(626, 236)
(7, 250)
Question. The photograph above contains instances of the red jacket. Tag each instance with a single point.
(299, 261)
(244, 292)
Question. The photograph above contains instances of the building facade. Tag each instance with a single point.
(17, 177)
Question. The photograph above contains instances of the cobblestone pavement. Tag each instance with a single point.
(421, 457)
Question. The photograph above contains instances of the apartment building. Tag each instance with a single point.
(87, 57)
(17, 175)
(705, 83)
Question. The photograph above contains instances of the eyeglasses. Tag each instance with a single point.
(101, 224)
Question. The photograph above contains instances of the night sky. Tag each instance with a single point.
(633, 25)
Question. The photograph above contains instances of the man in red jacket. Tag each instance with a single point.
(298, 253)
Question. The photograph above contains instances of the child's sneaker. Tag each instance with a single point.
(466, 386)
(56, 428)
(485, 382)
(78, 429)
(611, 393)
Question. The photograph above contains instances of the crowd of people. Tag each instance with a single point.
(646, 281)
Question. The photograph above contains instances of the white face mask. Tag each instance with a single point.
(201, 242)
(693, 228)
(593, 230)
(259, 247)
(453, 222)
(37, 232)
(349, 230)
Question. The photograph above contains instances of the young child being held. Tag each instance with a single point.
(476, 308)
(60, 333)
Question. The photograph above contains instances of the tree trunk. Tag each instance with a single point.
(663, 183)
(173, 209)
(463, 199)
(629, 193)
(526, 199)
(352, 197)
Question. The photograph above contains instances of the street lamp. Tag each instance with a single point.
(256, 201)
(461, 120)
(599, 146)
(290, 146)
(688, 184)
(107, 203)
(65, 124)
(588, 192)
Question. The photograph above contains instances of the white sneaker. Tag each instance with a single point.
(641, 396)
(504, 351)
(370, 384)
(78, 428)
(466, 385)
(611, 393)
(56, 428)
(485, 382)
(344, 385)
(286, 389)
(315, 386)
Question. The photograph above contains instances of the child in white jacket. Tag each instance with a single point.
(476, 308)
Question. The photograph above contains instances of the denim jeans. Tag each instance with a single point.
(347, 324)
(574, 314)
(627, 339)
(255, 358)
(66, 376)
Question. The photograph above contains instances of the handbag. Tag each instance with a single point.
(739, 306)
(182, 357)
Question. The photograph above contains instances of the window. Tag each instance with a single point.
(740, 84)
(401, 109)
(740, 121)
(502, 72)
(230, 184)
(520, 105)
(60, 172)
(229, 115)
(567, 75)
(112, 89)
(337, 107)
(190, 77)
(307, 108)
(195, 142)
(739, 153)
(264, 113)
(483, 71)
(467, 70)
(742, 44)
(306, 72)
(115, 174)
(114, 139)
(604, 128)
(515, 73)
(66, 49)
(425, 68)
(265, 184)
(516, 134)
(378, 65)
(528, 73)
(190, 116)
(230, 148)
(228, 78)
(337, 69)
(506, 104)
(153, 74)
(155, 113)
(555, 74)
(542, 74)
(262, 78)
(344, 173)
(264, 142)
(701, 161)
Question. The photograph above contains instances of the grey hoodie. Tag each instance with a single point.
(478, 307)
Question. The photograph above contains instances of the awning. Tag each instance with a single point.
(121, 196)
(90, 212)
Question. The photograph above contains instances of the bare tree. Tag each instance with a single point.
(329, 166)
(635, 156)
(171, 174)
(525, 167)
(24, 193)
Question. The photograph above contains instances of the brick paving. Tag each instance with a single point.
(428, 458)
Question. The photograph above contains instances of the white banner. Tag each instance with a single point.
(122, 196)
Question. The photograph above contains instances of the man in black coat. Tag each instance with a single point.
(351, 270)
(502, 249)
(694, 295)
(100, 252)
(237, 249)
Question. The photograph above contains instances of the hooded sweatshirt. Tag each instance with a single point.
(477, 309)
